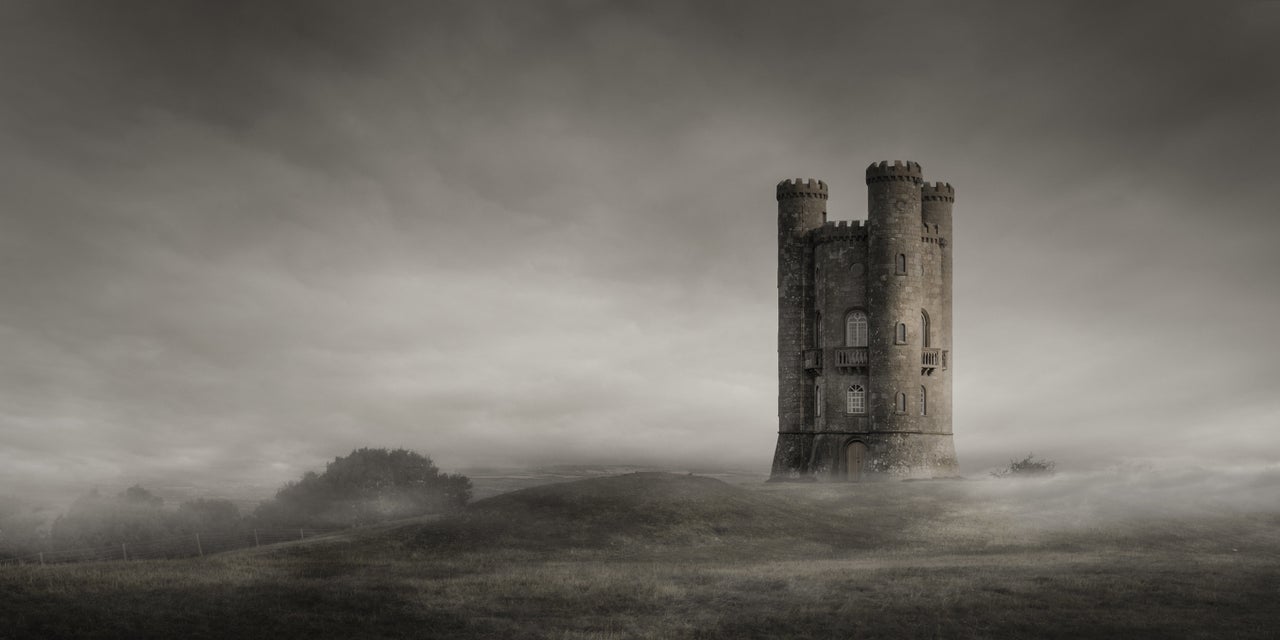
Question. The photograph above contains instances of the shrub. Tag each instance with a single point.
(1026, 467)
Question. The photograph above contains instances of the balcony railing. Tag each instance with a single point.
(929, 360)
(812, 359)
(851, 357)
(931, 357)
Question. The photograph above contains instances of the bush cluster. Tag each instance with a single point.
(1028, 466)
(367, 486)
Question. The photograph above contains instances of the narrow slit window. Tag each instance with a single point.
(817, 399)
(924, 401)
(900, 403)
(902, 264)
(901, 333)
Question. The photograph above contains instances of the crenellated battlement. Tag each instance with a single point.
(899, 171)
(798, 188)
(843, 230)
(937, 192)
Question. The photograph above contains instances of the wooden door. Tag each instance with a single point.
(857, 456)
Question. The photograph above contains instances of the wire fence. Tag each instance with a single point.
(180, 546)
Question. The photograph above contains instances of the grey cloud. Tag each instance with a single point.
(242, 238)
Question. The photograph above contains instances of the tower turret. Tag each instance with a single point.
(893, 293)
(936, 203)
(802, 207)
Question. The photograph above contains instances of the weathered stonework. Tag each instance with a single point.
(864, 331)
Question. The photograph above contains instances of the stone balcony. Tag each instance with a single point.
(931, 360)
(813, 360)
(851, 358)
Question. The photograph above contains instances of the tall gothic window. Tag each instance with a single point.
(855, 329)
(924, 401)
(855, 399)
(924, 328)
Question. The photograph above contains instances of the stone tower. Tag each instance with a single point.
(864, 331)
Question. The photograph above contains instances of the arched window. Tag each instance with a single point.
(900, 336)
(924, 328)
(817, 398)
(902, 263)
(855, 329)
(855, 399)
(900, 403)
(924, 401)
(817, 330)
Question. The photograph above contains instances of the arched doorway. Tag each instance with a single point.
(855, 461)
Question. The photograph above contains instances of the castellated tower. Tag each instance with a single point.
(864, 331)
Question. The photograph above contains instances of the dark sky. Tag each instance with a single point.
(238, 239)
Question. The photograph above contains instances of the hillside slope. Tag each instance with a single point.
(639, 509)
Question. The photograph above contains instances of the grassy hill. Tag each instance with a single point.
(651, 555)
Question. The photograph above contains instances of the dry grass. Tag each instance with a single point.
(660, 556)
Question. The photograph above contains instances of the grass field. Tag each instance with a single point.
(674, 556)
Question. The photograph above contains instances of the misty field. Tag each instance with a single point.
(1136, 554)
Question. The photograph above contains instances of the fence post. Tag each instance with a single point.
(199, 549)
(255, 538)
(125, 551)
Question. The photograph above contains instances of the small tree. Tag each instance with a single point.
(1026, 467)
(369, 485)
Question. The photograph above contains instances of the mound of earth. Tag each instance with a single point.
(634, 508)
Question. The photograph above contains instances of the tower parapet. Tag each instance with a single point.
(899, 171)
(844, 230)
(798, 188)
(937, 192)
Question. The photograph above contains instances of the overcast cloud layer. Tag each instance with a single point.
(238, 239)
